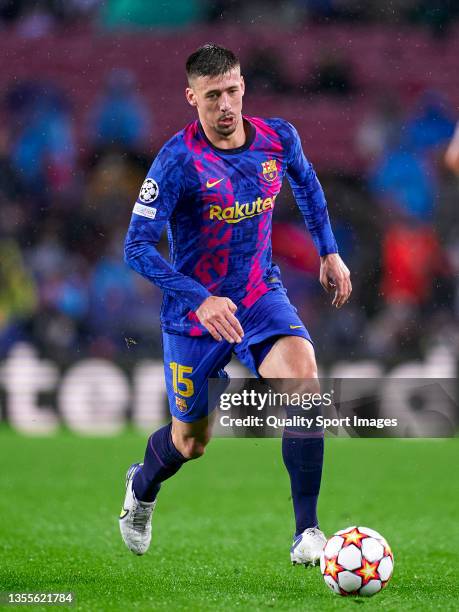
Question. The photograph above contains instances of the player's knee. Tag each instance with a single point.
(303, 374)
(310, 384)
(299, 381)
(302, 385)
(193, 448)
(306, 371)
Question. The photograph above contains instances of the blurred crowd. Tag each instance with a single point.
(64, 210)
(35, 17)
(63, 218)
(398, 232)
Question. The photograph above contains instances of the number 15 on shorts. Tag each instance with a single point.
(179, 373)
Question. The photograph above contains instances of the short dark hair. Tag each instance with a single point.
(210, 60)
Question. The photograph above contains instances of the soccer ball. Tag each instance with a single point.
(356, 561)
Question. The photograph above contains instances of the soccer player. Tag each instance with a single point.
(215, 185)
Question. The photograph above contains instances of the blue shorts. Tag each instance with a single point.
(190, 361)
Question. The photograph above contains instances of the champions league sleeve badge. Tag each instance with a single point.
(149, 191)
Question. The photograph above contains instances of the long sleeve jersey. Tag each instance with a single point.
(218, 206)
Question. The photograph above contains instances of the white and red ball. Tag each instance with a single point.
(356, 561)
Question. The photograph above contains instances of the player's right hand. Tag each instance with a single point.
(217, 316)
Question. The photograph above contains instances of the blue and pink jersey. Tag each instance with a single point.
(218, 206)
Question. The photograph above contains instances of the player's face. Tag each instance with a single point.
(218, 101)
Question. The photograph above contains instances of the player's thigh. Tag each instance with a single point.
(275, 336)
(289, 357)
(188, 364)
(290, 366)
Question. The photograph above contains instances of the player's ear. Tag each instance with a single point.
(242, 85)
(190, 96)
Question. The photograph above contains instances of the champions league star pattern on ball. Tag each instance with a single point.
(224, 202)
(357, 561)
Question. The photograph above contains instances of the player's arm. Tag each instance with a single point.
(452, 152)
(159, 195)
(310, 198)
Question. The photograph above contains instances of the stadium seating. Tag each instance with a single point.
(79, 61)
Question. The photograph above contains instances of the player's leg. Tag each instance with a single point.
(290, 358)
(188, 362)
(167, 450)
(277, 346)
(191, 439)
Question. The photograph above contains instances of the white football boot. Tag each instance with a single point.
(135, 517)
(307, 546)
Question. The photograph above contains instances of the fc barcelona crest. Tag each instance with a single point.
(181, 404)
(269, 170)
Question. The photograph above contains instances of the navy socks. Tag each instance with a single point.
(162, 460)
(303, 458)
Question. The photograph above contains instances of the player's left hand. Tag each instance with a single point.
(335, 276)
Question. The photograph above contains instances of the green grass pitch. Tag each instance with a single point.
(223, 525)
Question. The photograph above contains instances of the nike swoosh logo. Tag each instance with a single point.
(295, 326)
(210, 184)
(123, 513)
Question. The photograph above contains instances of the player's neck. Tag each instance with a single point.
(233, 141)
